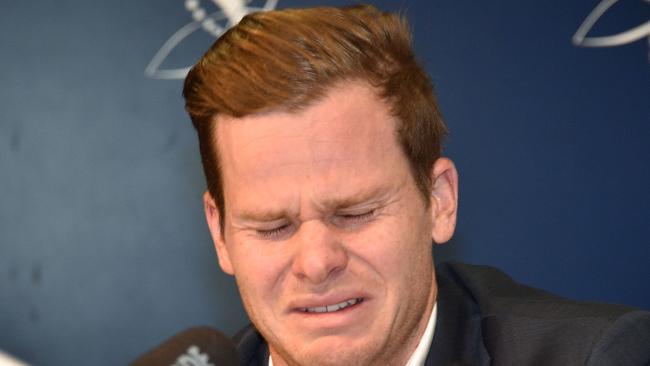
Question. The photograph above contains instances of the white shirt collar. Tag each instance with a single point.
(420, 354)
(422, 350)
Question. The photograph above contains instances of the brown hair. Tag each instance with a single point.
(288, 59)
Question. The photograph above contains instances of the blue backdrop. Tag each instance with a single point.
(103, 247)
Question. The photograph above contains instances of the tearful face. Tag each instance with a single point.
(325, 231)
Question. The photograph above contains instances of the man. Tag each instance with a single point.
(321, 144)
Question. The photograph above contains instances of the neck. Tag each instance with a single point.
(403, 357)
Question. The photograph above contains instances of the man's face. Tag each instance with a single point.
(325, 231)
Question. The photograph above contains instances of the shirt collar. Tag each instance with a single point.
(420, 354)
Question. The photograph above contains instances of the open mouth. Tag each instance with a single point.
(334, 307)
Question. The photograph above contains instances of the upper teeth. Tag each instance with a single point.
(331, 308)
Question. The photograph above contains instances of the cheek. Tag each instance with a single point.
(391, 248)
(402, 252)
(256, 282)
(258, 271)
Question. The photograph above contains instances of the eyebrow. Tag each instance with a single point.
(262, 215)
(359, 198)
(378, 195)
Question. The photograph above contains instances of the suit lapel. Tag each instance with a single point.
(457, 339)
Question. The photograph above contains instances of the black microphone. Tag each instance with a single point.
(200, 346)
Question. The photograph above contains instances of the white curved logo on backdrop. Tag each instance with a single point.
(631, 35)
(215, 24)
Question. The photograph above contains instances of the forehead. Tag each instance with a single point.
(348, 135)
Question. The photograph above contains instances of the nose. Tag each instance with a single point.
(319, 255)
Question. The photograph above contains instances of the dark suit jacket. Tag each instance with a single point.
(485, 318)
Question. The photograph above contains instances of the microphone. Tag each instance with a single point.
(200, 346)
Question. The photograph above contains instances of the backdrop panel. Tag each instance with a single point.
(104, 251)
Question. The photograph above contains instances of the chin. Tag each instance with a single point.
(333, 357)
(331, 352)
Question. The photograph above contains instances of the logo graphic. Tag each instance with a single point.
(628, 36)
(214, 23)
(193, 357)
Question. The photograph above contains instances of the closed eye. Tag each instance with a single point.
(354, 219)
(274, 233)
(360, 216)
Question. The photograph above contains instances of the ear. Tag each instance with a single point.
(212, 217)
(444, 200)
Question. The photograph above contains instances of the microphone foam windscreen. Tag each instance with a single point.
(200, 346)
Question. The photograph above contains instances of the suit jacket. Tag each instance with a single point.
(486, 318)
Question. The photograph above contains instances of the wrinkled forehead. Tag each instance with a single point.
(350, 125)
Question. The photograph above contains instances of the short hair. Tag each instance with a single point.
(286, 60)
